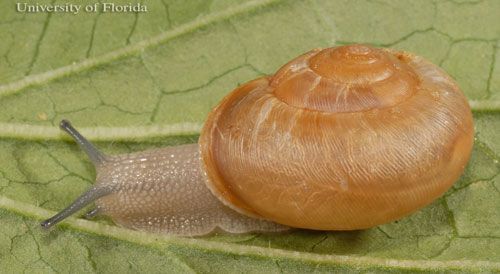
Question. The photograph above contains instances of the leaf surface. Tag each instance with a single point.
(136, 81)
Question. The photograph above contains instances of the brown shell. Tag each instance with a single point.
(339, 139)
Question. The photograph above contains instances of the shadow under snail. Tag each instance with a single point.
(341, 138)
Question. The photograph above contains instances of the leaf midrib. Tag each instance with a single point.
(158, 241)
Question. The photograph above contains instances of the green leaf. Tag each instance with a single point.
(136, 81)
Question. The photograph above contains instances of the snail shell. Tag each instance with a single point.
(339, 139)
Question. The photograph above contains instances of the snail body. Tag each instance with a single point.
(341, 138)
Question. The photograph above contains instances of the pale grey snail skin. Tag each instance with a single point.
(162, 191)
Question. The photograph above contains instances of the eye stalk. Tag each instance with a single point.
(98, 158)
(85, 199)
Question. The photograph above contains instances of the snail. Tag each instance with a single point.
(342, 138)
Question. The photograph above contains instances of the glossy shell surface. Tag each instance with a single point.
(339, 139)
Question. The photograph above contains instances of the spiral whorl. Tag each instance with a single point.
(345, 79)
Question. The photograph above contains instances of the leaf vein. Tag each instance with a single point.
(38, 44)
(132, 49)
